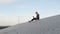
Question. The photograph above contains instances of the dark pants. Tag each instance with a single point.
(34, 19)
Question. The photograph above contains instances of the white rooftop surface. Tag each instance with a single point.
(50, 25)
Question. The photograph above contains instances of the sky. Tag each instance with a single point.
(25, 9)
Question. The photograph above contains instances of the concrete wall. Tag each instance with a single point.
(50, 25)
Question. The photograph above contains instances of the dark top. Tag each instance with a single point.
(37, 16)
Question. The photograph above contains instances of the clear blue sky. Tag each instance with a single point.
(26, 8)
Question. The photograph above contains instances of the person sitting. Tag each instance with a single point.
(37, 17)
